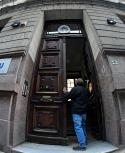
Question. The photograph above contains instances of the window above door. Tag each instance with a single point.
(63, 27)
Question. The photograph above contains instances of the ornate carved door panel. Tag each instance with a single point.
(47, 122)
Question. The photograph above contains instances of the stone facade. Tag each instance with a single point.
(21, 44)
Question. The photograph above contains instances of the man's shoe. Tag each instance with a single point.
(78, 148)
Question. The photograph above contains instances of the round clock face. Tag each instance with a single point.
(64, 29)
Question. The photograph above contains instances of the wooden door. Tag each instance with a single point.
(47, 115)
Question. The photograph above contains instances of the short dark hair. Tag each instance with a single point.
(79, 81)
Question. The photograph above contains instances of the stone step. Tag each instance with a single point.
(93, 147)
(119, 151)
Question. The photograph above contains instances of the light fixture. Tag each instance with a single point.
(25, 88)
(111, 21)
(23, 23)
(90, 86)
(15, 24)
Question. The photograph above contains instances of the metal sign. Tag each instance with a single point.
(4, 65)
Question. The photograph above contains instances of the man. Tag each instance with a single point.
(79, 97)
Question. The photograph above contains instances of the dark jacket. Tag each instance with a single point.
(79, 97)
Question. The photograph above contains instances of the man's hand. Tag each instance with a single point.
(64, 90)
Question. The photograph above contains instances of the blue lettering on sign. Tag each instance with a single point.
(1, 65)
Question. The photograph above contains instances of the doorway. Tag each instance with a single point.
(64, 56)
(79, 64)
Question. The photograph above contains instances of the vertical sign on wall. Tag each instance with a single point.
(4, 65)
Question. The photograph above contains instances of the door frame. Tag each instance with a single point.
(94, 71)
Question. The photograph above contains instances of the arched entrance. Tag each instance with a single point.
(64, 56)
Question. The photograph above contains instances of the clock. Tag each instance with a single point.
(64, 29)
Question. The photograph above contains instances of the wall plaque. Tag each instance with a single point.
(4, 65)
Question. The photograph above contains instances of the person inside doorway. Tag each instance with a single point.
(79, 97)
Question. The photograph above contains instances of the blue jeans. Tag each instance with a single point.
(80, 128)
